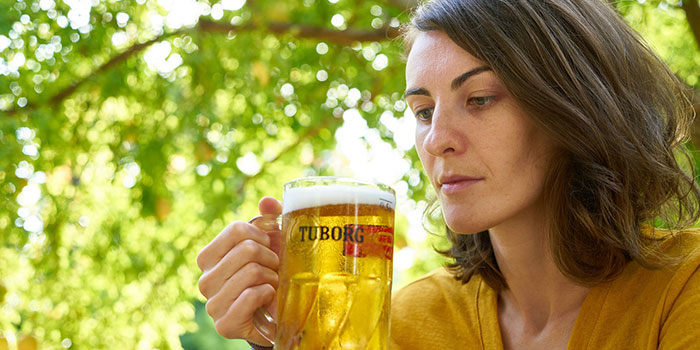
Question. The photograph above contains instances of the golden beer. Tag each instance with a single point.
(335, 271)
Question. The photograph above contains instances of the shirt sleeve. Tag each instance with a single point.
(681, 329)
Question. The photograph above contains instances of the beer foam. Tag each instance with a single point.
(314, 196)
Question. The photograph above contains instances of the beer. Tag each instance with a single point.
(335, 271)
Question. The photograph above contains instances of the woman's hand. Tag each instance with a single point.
(240, 275)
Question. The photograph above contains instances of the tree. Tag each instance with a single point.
(672, 28)
(132, 131)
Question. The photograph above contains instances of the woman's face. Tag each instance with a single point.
(486, 158)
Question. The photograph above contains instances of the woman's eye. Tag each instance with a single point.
(480, 101)
(424, 114)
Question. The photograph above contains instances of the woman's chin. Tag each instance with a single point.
(464, 228)
(458, 222)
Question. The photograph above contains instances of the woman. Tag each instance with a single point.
(550, 134)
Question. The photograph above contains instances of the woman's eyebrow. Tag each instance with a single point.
(418, 91)
(456, 82)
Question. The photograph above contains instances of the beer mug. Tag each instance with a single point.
(335, 266)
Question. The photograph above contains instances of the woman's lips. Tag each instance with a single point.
(456, 184)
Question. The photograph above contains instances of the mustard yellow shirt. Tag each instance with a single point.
(641, 309)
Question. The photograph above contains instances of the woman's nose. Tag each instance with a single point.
(444, 136)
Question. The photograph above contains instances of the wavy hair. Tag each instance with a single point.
(618, 114)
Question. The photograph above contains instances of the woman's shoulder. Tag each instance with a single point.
(680, 263)
(426, 312)
(664, 300)
(681, 246)
(684, 246)
(691, 235)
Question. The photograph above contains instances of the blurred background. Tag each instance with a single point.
(133, 131)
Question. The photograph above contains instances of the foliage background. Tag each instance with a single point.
(132, 131)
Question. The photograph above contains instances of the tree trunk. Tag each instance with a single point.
(692, 14)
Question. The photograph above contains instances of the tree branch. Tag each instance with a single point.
(305, 136)
(345, 37)
(63, 94)
(56, 99)
(692, 14)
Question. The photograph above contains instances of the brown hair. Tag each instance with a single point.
(617, 112)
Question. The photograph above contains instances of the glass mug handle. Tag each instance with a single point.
(264, 323)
